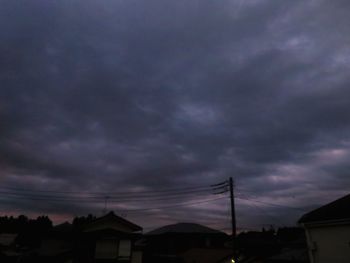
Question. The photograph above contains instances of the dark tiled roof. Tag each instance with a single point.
(112, 216)
(184, 228)
(336, 210)
(64, 227)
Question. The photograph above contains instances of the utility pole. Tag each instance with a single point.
(222, 187)
(233, 221)
(233, 213)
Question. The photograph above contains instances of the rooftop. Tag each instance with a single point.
(334, 211)
(184, 228)
(114, 218)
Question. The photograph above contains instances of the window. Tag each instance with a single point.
(106, 249)
(113, 249)
(124, 249)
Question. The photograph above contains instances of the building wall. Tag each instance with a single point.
(136, 257)
(329, 244)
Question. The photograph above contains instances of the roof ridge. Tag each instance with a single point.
(184, 228)
(329, 212)
(123, 220)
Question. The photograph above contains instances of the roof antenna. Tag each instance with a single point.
(106, 202)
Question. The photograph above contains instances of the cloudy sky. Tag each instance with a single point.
(134, 95)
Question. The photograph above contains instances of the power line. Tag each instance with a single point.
(121, 197)
(268, 203)
(208, 190)
(82, 197)
(131, 196)
(262, 210)
(130, 192)
(171, 206)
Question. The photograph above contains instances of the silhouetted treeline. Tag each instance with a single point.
(283, 234)
(30, 231)
(10, 224)
(82, 220)
(290, 234)
(268, 242)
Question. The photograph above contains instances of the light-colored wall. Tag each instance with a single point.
(136, 257)
(328, 244)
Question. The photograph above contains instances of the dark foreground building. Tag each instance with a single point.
(186, 243)
(328, 232)
(104, 240)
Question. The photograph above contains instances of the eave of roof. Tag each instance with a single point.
(123, 221)
(338, 210)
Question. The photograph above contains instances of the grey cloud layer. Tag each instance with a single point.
(157, 93)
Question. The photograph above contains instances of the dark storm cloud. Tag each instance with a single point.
(103, 95)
